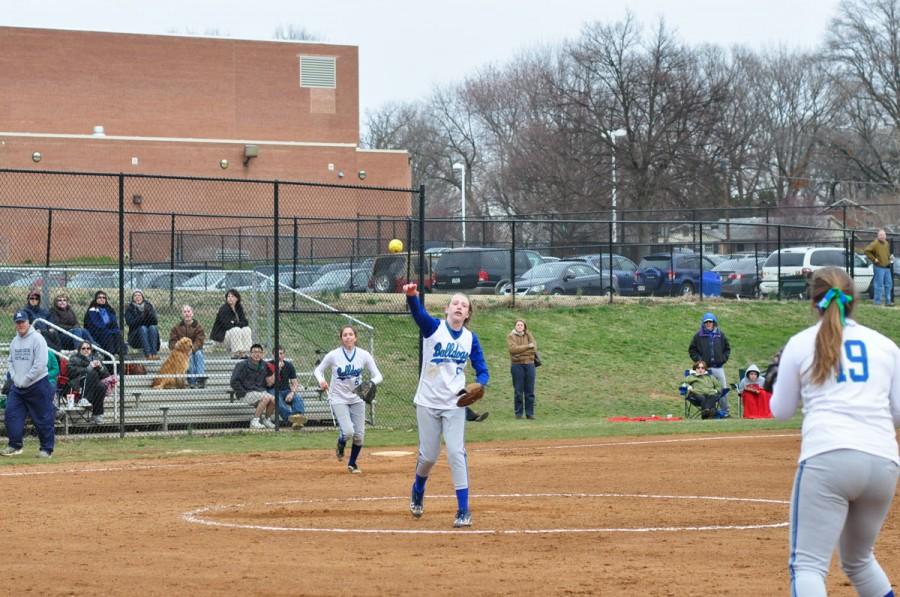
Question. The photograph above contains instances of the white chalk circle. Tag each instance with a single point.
(392, 453)
(201, 515)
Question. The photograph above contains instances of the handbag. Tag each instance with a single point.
(537, 359)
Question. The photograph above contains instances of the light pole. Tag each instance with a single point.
(614, 135)
(462, 168)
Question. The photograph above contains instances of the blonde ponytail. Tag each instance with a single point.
(832, 294)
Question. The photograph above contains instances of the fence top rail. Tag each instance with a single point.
(255, 181)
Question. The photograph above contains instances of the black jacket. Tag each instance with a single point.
(712, 347)
(226, 319)
(247, 377)
(135, 318)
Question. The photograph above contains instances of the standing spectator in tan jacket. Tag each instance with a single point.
(879, 253)
(522, 350)
(189, 327)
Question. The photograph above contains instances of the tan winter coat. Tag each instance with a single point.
(521, 348)
(879, 253)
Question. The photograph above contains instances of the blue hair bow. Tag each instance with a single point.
(842, 300)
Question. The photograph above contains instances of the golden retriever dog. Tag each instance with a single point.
(175, 364)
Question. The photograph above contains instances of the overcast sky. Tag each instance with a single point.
(408, 46)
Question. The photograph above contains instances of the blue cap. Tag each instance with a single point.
(20, 316)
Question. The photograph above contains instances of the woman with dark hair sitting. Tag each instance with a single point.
(143, 330)
(100, 320)
(62, 314)
(231, 326)
(86, 374)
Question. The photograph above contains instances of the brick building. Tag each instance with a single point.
(188, 106)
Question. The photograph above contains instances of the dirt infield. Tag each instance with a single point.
(612, 516)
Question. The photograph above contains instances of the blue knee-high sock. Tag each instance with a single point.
(419, 484)
(462, 499)
(354, 452)
(889, 594)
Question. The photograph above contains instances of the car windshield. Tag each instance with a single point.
(552, 269)
(787, 259)
(338, 277)
(658, 261)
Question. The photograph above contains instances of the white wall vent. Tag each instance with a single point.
(318, 72)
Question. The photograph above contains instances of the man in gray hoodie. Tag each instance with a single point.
(29, 391)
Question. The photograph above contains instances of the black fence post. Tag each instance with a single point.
(279, 380)
(778, 238)
(222, 249)
(512, 263)
(610, 242)
(241, 245)
(670, 275)
(851, 253)
(49, 235)
(421, 280)
(701, 259)
(121, 347)
(296, 247)
(172, 260)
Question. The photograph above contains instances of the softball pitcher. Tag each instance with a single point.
(447, 345)
(847, 378)
(347, 363)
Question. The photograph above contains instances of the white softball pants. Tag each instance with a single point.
(351, 418)
(451, 424)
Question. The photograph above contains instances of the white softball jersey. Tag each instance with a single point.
(856, 409)
(346, 373)
(443, 372)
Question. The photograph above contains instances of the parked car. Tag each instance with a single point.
(38, 279)
(392, 270)
(676, 273)
(561, 277)
(157, 279)
(208, 280)
(7, 277)
(740, 277)
(623, 270)
(803, 261)
(479, 270)
(339, 280)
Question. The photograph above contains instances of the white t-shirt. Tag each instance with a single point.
(857, 409)
(346, 373)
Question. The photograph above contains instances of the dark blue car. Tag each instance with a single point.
(666, 274)
(623, 270)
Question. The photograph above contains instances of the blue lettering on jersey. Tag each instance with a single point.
(347, 372)
(449, 354)
(858, 357)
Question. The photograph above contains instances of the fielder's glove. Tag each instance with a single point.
(366, 390)
(472, 393)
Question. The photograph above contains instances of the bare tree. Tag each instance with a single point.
(295, 33)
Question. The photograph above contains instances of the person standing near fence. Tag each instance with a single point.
(347, 363)
(522, 348)
(29, 392)
(879, 253)
(447, 346)
(847, 379)
(710, 345)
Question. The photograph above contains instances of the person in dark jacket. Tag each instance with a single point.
(143, 330)
(34, 310)
(711, 345)
(231, 326)
(86, 373)
(100, 320)
(62, 314)
(248, 380)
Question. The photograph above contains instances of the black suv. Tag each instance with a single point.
(480, 270)
(392, 270)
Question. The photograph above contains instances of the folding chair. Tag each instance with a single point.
(692, 405)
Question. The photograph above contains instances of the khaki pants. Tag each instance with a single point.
(238, 340)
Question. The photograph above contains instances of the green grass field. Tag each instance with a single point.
(599, 361)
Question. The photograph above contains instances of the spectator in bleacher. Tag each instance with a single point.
(35, 311)
(29, 393)
(231, 326)
(143, 327)
(189, 327)
(61, 314)
(248, 380)
(100, 320)
(288, 400)
(86, 374)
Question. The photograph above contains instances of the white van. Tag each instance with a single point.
(796, 261)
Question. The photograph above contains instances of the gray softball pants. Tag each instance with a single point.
(839, 498)
(451, 423)
(351, 419)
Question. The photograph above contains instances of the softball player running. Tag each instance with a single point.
(847, 378)
(446, 347)
(347, 363)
